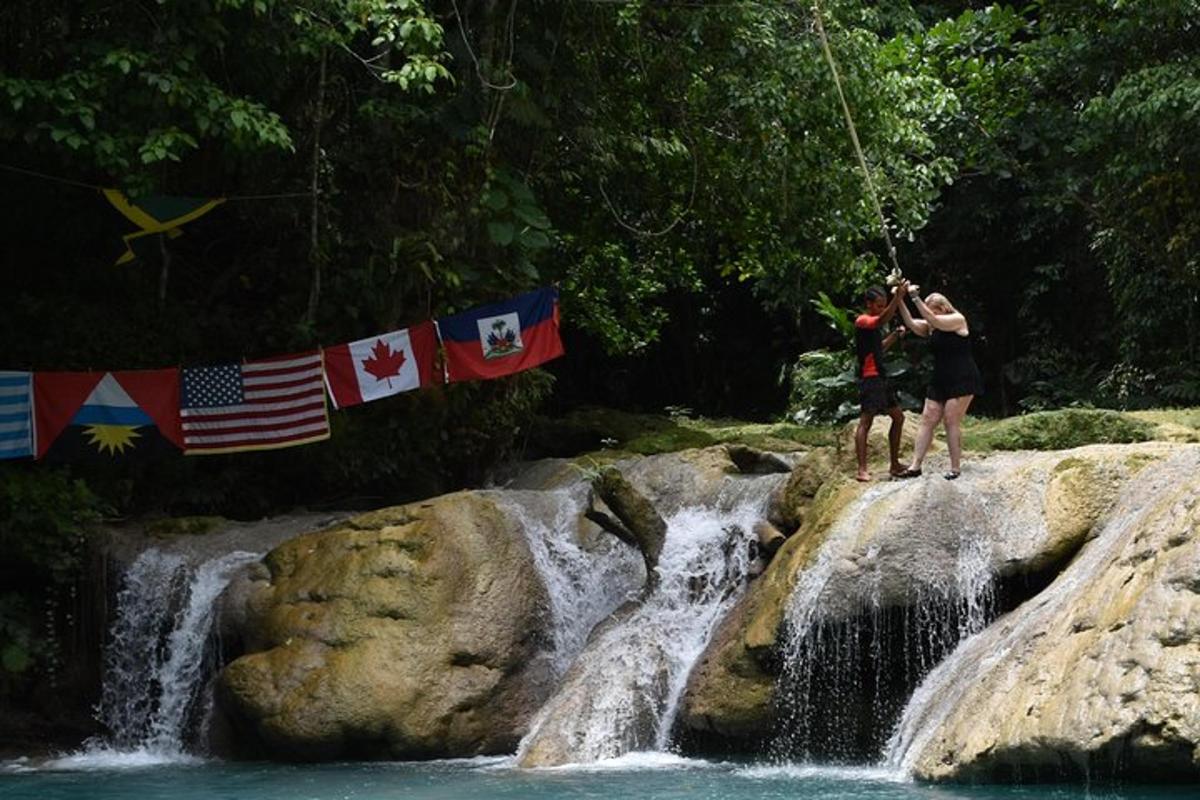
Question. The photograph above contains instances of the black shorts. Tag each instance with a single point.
(940, 392)
(875, 395)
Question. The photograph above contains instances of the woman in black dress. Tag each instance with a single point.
(956, 378)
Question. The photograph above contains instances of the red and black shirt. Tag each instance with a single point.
(868, 343)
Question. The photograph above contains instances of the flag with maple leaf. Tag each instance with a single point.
(381, 366)
(502, 338)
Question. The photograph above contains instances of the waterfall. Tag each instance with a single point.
(584, 583)
(154, 667)
(850, 657)
(622, 692)
(988, 648)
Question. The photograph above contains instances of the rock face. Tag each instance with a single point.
(864, 550)
(1099, 674)
(411, 632)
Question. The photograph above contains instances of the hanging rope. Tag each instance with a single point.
(862, 160)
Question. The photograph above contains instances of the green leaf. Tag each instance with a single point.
(535, 240)
(15, 658)
(495, 199)
(501, 233)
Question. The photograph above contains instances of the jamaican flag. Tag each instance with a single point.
(158, 214)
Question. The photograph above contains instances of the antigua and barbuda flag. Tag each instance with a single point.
(381, 366)
(106, 414)
(16, 414)
(502, 338)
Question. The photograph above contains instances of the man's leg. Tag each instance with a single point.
(894, 438)
(860, 444)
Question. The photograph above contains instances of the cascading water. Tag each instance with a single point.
(154, 662)
(846, 677)
(622, 692)
(941, 692)
(585, 584)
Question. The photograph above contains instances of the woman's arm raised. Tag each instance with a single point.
(918, 326)
(943, 322)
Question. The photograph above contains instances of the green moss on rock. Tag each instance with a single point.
(590, 429)
(1057, 430)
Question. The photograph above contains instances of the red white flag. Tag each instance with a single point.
(258, 405)
(381, 366)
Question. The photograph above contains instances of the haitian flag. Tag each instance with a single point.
(502, 338)
(381, 366)
(106, 413)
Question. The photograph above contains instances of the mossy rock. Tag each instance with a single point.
(590, 429)
(1172, 424)
(1057, 430)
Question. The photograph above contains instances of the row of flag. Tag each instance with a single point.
(266, 403)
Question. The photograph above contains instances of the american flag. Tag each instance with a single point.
(257, 405)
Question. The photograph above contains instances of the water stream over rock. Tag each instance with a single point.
(155, 661)
(622, 692)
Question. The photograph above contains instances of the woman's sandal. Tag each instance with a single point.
(908, 473)
(952, 475)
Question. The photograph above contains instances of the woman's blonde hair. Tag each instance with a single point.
(937, 299)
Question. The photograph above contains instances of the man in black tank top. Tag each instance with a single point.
(874, 394)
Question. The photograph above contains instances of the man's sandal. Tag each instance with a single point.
(952, 475)
(908, 473)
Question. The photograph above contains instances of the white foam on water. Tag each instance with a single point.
(104, 758)
(821, 771)
(637, 761)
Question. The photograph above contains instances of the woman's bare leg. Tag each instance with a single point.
(956, 409)
(930, 417)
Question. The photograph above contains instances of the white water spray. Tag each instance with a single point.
(623, 691)
(154, 662)
(584, 583)
(844, 640)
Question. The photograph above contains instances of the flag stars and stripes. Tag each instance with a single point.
(209, 387)
(258, 405)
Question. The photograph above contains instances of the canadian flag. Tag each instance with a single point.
(381, 366)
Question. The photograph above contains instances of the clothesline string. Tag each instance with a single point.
(96, 187)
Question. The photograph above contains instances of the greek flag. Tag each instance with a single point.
(16, 406)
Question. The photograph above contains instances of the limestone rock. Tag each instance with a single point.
(557, 738)
(673, 481)
(882, 545)
(410, 632)
(791, 502)
(729, 695)
(1099, 675)
(755, 462)
(639, 523)
(770, 538)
